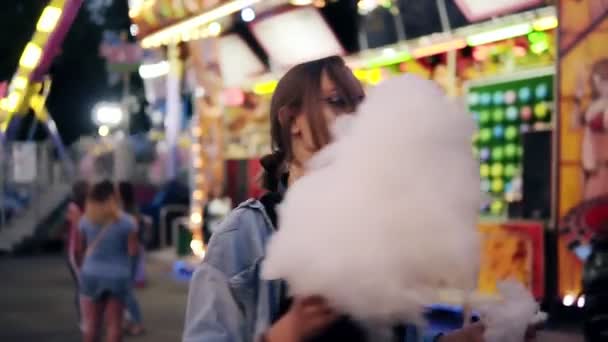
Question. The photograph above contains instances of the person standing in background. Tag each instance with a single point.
(107, 241)
(129, 206)
(73, 215)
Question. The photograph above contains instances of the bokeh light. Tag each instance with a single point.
(485, 185)
(510, 170)
(541, 110)
(541, 91)
(484, 117)
(485, 99)
(511, 133)
(498, 185)
(511, 113)
(498, 98)
(510, 97)
(496, 170)
(511, 151)
(484, 170)
(497, 207)
(499, 131)
(485, 135)
(497, 153)
(526, 113)
(498, 115)
(524, 94)
(473, 99)
(484, 154)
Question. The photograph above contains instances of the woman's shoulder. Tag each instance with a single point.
(127, 221)
(241, 238)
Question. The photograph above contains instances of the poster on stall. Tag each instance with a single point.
(24, 163)
(583, 138)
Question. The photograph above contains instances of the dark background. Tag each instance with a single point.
(79, 74)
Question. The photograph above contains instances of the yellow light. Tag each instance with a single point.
(197, 248)
(205, 18)
(13, 101)
(439, 48)
(103, 130)
(374, 76)
(49, 18)
(3, 105)
(215, 29)
(546, 23)
(264, 88)
(19, 82)
(196, 218)
(197, 163)
(499, 34)
(196, 148)
(360, 74)
(197, 132)
(31, 56)
(300, 2)
(198, 195)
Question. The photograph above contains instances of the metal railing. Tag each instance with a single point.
(28, 172)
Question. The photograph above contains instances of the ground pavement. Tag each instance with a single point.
(36, 303)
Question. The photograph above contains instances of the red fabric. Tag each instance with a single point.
(597, 124)
(596, 218)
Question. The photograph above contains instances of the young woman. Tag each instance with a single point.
(129, 206)
(73, 215)
(108, 240)
(228, 300)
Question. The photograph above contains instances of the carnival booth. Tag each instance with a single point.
(502, 66)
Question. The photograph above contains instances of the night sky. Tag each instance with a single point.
(79, 74)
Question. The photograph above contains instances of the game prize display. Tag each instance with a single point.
(504, 110)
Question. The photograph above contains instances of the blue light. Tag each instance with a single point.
(498, 98)
(541, 91)
(484, 154)
(485, 99)
(524, 94)
(476, 116)
(499, 131)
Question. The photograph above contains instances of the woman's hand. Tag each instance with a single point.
(470, 333)
(306, 317)
(474, 333)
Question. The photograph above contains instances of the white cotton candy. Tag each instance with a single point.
(384, 221)
(508, 316)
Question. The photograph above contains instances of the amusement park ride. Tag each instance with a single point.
(30, 85)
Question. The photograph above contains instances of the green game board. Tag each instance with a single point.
(504, 109)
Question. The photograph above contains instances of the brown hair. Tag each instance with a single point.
(599, 68)
(299, 91)
(102, 191)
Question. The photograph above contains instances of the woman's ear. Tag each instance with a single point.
(284, 118)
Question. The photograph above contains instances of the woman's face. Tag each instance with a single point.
(601, 85)
(333, 105)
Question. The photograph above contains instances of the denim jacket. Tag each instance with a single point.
(228, 301)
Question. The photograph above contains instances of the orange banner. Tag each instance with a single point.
(582, 128)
